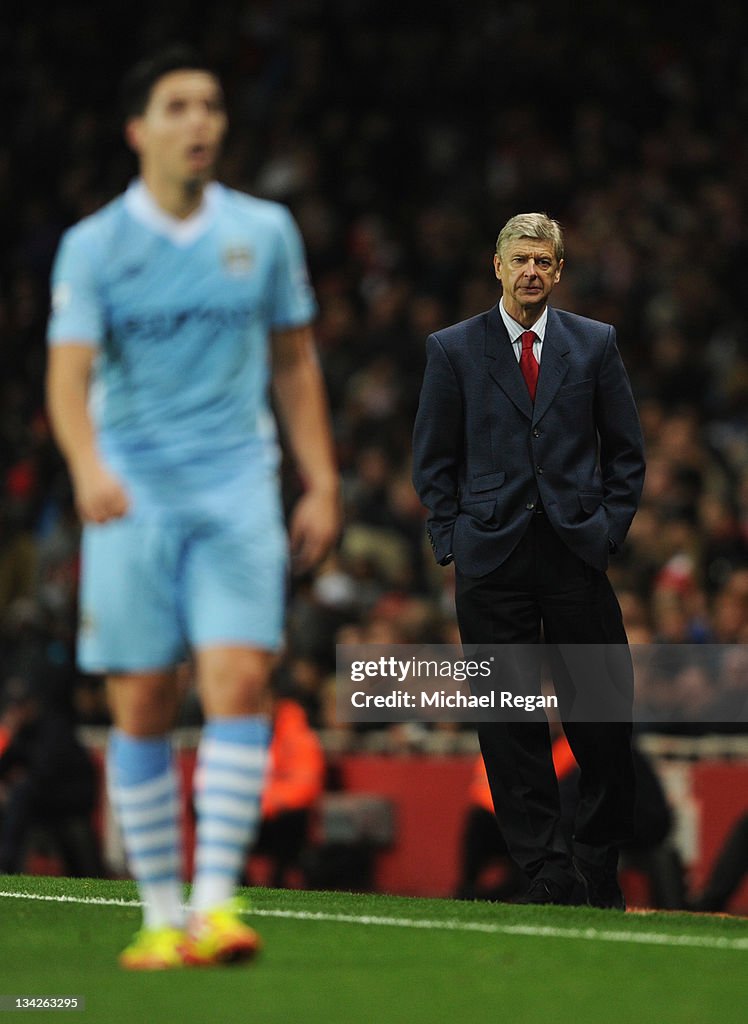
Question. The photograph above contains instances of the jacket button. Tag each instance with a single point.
(530, 506)
(540, 470)
(536, 432)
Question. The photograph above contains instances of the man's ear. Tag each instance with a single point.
(133, 133)
(558, 272)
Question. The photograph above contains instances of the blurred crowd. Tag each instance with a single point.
(402, 136)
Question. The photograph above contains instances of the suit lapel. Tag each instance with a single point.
(553, 365)
(503, 365)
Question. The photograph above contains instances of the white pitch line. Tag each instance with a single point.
(486, 928)
(103, 901)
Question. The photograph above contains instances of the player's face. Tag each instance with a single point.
(180, 132)
(528, 271)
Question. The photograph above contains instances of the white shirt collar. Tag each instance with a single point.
(144, 208)
(516, 330)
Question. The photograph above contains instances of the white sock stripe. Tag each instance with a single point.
(153, 839)
(216, 830)
(231, 781)
(232, 755)
(225, 806)
(161, 814)
(217, 857)
(150, 866)
(144, 792)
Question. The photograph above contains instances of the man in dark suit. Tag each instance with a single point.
(528, 456)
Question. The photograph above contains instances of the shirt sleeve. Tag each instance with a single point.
(293, 301)
(77, 313)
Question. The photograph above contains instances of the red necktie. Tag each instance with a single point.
(528, 364)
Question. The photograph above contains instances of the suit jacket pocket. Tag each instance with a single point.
(590, 500)
(486, 482)
(579, 387)
(482, 510)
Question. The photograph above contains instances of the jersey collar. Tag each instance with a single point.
(144, 208)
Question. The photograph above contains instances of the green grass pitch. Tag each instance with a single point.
(342, 958)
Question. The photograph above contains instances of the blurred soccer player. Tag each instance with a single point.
(174, 309)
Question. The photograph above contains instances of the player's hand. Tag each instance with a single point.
(314, 527)
(99, 494)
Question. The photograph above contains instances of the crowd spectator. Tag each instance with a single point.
(48, 782)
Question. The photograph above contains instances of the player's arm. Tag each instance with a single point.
(99, 495)
(301, 401)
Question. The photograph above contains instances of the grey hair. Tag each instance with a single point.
(532, 225)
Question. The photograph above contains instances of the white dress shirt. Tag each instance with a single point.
(516, 331)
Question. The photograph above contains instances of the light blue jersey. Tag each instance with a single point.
(181, 313)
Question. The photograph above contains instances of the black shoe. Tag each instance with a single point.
(601, 885)
(545, 891)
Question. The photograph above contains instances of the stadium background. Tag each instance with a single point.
(402, 136)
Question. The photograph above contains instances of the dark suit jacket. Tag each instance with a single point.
(483, 456)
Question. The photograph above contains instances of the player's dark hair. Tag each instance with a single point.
(138, 83)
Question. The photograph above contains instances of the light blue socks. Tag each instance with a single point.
(144, 793)
(229, 780)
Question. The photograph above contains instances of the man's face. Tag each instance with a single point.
(528, 271)
(179, 134)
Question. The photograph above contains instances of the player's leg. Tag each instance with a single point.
(233, 589)
(231, 767)
(230, 777)
(130, 632)
(144, 794)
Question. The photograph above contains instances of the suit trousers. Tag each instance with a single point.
(543, 591)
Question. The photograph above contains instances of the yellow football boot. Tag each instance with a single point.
(219, 936)
(154, 949)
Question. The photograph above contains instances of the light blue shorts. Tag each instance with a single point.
(152, 589)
